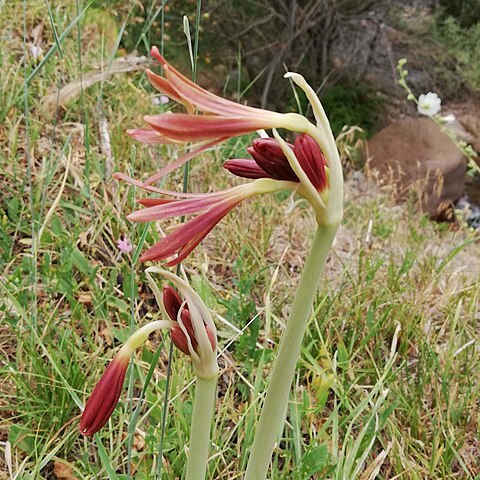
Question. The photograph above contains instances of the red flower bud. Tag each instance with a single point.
(173, 303)
(105, 395)
(312, 160)
(269, 157)
(244, 168)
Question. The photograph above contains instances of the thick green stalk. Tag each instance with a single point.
(281, 379)
(202, 415)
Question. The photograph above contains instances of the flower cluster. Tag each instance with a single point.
(310, 166)
(192, 330)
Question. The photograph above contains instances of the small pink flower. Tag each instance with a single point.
(124, 245)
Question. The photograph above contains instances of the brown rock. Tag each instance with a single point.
(414, 154)
(468, 116)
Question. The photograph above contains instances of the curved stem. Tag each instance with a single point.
(202, 415)
(272, 416)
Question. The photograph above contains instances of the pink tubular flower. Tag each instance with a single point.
(225, 118)
(210, 209)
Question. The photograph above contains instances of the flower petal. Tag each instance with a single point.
(270, 157)
(245, 168)
(105, 395)
(182, 160)
(164, 86)
(149, 135)
(312, 160)
(192, 128)
(196, 95)
(150, 188)
(186, 237)
(172, 302)
(174, 208)
(152, 202)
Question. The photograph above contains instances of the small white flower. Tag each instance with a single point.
(160, 100)
(450, 118)
(429, 104)
(35, 51)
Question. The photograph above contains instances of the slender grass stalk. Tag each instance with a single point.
(202, 416)
(276, 400)
(201, 434)
(34, 248)
(132, 327)
(83, 110)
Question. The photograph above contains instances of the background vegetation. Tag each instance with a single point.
(388, 384)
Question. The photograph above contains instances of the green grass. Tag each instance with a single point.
(389, 376)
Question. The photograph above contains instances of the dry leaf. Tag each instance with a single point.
(105, 334)
(63, 471)
(84, 298)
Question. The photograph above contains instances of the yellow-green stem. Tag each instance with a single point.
(276, 399)
(203, 408)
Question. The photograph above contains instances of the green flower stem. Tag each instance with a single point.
(203, 408)
(276, 399)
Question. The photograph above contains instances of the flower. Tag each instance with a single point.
(124, 245)
(192, 331)
(211, 208)
(429, 104)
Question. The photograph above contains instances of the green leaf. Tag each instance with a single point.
(79, 260)
(314, 460)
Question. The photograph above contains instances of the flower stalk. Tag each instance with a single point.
(195, 333)
(202, 416)
(283, 372)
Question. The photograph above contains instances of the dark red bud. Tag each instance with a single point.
(269, 156)
(245, 168)
(179, 338)
(172, 302)
(312, 160)
(104, 398)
